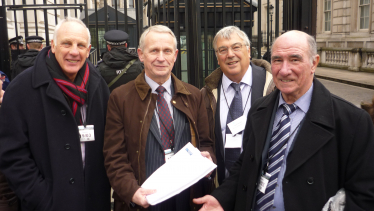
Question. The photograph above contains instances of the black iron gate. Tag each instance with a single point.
(194, 22)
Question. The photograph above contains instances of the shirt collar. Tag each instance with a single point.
(303, 102)
(247, 79)
(155, 85)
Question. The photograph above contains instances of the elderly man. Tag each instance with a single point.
(118, 66)
(315, 143)
(26, 60)
(148, 120)
(52, 128)
(231, 90)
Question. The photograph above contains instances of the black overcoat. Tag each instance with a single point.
(40, 151)
(334, 149)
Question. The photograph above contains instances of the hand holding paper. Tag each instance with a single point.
(184, 169)
(139, 197)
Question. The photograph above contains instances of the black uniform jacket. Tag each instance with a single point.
(24, 61)
(114, 62)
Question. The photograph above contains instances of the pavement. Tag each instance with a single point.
(361, 79)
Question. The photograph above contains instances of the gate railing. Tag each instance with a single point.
(194, 22)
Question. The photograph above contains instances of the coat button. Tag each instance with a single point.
(63, 112)
(174, 102)
(251, 157)
(244, 188)
(67, 146)
(310, 180)
(71, 181)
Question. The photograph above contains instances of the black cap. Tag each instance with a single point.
(15, 39)
(36, 39)
(116, 37)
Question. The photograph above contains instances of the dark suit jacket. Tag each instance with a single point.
(155, 157)
(334, 149)
(40, 150)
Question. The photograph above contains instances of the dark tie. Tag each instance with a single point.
(235, 111)
(166, 122)
(277, 148)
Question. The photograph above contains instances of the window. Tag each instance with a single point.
(131, 3)
(364, 14)
(327, 11)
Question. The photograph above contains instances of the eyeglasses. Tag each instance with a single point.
(236, 48)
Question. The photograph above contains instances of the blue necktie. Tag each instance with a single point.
(277, 148)
(235, 111)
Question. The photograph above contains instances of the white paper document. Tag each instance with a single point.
(183, 170)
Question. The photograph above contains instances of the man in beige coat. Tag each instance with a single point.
(253, 79)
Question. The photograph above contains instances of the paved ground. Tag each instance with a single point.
(361, 79)
(353, 94)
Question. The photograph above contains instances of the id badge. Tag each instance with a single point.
(168, 155)
(86, 133)
(264, 180)
(234, 141)
(237, 125)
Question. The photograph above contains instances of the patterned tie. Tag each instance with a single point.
(166, 122)
(235, 111)
(277, 147)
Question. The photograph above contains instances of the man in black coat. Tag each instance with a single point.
(52, 128)
(325, 143)
(26, 60)
(118, 65)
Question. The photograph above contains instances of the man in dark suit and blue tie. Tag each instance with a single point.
(150, 119)
(315, 143)
(229, 92)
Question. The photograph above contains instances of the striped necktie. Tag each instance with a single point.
(277, 148)
(166, 122)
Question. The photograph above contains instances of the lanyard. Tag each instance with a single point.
(234, 96)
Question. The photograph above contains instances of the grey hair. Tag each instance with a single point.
(227, 31)
(156, 28)
(67, 20)
(312, 44)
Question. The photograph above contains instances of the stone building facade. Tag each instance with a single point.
(345, 34)
(345, 23)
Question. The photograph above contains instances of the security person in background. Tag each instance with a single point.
(14, 51)
(118, 65)
(26, 60)
(14, 41)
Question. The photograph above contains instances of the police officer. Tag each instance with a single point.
(14, 41)
(16, 46)
(26, 60)
(118, 65)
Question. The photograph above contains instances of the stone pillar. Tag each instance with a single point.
(354, 61)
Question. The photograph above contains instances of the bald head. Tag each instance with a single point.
(304, 37)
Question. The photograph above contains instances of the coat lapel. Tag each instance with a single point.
(314, 132)
(217, 124)
(258, 82)
(260, 121)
